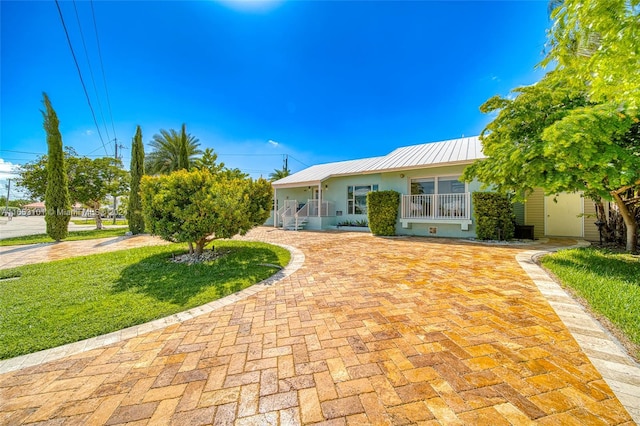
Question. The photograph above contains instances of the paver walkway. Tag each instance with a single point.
(367, 331)
(13, 256)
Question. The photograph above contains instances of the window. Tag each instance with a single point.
(441, 185)
(357, 198)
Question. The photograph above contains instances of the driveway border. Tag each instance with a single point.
(605, 352)
(47, 355)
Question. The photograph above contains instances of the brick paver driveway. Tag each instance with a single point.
(368, 331)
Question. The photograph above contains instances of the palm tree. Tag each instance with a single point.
(168, 148)
(279, 174)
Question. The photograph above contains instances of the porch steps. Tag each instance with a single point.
(292, 226)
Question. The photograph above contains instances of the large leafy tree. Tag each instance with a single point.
(550, 136)
(577, 129)
(33, 176)
(134, 211)
(199, 206)
(97, 178)
(171, 151)
(596, 41)
(89, 180)
(58, 206)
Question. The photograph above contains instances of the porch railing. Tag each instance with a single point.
(327, 208)
(436, 206)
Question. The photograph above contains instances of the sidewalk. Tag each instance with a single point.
(32, 225)
(13, 256)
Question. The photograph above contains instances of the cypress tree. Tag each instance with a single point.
(134, 214)
(183, 155)
(56, 199)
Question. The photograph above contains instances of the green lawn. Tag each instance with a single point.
(65, 301)
(608, 281)
(73, 236)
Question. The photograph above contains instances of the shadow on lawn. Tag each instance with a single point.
(178, 283)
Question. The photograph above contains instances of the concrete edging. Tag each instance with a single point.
(605, 352)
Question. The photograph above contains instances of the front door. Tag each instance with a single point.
(564, 216)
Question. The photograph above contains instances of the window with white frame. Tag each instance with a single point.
(357, 198)
(437, 185)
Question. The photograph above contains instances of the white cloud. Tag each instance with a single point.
(88, 132)
(8, 169)
(273, 143)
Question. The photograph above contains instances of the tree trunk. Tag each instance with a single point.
(190, 247)
(629, 221)
(98, 218)
(607, 232)
(200, 246)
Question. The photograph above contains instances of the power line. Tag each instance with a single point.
(293, 158)
(80, 75)
(104, 77)
(93, 81)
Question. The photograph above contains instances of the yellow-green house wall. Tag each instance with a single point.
(535, 215)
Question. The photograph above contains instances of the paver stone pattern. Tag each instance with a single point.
(369, 331)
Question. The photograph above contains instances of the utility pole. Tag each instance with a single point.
(286, 162)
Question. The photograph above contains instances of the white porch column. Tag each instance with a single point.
(275, 208)
(319, 199)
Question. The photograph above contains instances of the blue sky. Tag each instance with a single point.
(318, 80)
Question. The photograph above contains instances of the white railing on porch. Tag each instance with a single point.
(436, 206)
(327, 208)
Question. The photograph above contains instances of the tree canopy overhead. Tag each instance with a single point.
(597, 41)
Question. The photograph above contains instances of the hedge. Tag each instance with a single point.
(494, 216)
(382, 208)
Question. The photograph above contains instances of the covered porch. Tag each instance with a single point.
(303, 213)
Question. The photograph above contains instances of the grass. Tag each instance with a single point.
(73, 236)
(69, 300)
(105, 221)
(608, 281)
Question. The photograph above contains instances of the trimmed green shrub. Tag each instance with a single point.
(494, 216)
(198, 207)
(382, 208)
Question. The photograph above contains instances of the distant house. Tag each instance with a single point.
(433, 200)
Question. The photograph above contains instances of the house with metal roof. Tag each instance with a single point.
(434, 202)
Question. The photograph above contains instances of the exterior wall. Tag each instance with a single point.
(394, 181)
(335, 190)
(590, 229)
(518, 210)
(534, 212)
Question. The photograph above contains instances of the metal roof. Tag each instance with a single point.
(455, 151)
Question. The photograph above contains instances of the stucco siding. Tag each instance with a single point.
(534, 212)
